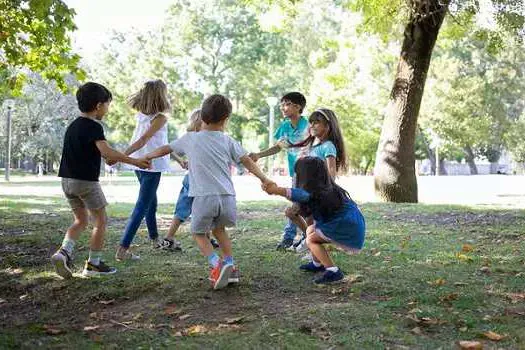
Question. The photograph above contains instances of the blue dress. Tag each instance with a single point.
(345, 227)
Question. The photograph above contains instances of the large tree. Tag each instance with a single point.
(34, 35)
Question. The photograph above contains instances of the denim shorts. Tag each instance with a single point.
(209, 212)
(184, 203)
(83, 194)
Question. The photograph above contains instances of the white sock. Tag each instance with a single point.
(94, 257)
(68, 244)
(333, 269)
(316, 264)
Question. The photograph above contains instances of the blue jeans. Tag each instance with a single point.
(290, 229)
(183, 206)
(146, 206)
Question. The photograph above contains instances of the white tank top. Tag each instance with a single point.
(160, 138)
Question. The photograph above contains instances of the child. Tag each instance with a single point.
(337, 219)
(84, 144)
(183, 206)
(325, 142)
(151, 131)
(292, 130)
(210, 153)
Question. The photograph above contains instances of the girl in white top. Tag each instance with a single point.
(151, 131)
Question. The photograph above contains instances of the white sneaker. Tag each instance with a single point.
(301, 247)
(125, 254)
(307, 257)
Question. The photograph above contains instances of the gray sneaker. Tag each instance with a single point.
(63, 263)
(234, 275)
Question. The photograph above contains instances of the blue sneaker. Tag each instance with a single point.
(310, 267)
(330, 277)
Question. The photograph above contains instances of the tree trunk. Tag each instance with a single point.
(469, 157)
(442, 168)
(395, 177)
(430, 152)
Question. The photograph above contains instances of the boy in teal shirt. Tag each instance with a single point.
(292, 130)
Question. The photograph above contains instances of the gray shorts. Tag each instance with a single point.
(83, 194)
(209, 212)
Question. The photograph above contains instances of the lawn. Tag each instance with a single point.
(429, 277)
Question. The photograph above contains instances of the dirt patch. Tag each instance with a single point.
(457, 220)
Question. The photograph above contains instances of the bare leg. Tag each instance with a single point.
(297, 219)
(174, 227)
(224, 240)
(204, 244)
(79, 225)
(99, 228)
(315, 244)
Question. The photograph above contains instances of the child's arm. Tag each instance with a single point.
(332, 167)
(274, 189)
(293, 194)
(266, 153)
(157, 123)
(254, 169)
(113, 155)
(182, 162)
(159, 152)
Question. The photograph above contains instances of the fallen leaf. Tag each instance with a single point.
(493, 336)
(438, 282)
(137, 316)
(197, 329)
(517, 311)
(107, 302)
(414, 311)
(234, 320)
(467, 248)
(449, 297)
(52, 331)
(171, 310)
(515, 297)
(2, 301)
(183, 317)
(484, 269)
(463, 257)
(416, 330)
(355, 278)
(91, 328)
(463, 329)
(93, 315)
(470, 345)
(23, 297)
(178, 334)
(459, 284)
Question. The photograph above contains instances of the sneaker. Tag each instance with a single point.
(330, 277)
(301, 247)
(219, 275)
(155, 243)
(214, 243)
(125, 254)
(91, 270)
(285, 244)
(234, 275)
(171, 245)
(63, 263)
(310, 267)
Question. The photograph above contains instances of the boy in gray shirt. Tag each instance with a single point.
(210, 153)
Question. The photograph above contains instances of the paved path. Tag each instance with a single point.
(492, 190)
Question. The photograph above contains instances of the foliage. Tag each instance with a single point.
(34, 35)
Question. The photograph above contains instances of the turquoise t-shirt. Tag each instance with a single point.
(292, 135)
(323, 150)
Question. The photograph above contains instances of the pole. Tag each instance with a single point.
(8, 145)
(270, 138)
(437, 161)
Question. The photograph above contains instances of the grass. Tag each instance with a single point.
(428, 277)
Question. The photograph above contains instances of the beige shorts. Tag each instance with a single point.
(209, 212)
(83, 194)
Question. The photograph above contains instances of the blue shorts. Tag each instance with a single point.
(184, 203)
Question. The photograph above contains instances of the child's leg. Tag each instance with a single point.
(99, 228)
(174, 227)
(292, 213)
(147, 192)
(73, 232)
(153, 180)
(182, 209)
(315, 244)
(224, 240)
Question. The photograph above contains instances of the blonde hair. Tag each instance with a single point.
(195, 120)
(151, 99)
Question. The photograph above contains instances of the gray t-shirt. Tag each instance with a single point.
(210, 154)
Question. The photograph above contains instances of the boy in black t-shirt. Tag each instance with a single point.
(84, 144)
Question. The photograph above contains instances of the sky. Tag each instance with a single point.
(96, 19)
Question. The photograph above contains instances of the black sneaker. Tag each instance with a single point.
(168, 244)
(214, 243)
(91, 270)
(310, 267)
(285, 244)
(330, 277)
(63, 263)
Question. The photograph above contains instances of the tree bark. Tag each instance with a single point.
(469, 157)
(395, 177)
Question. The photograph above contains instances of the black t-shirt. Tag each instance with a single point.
(80, 155)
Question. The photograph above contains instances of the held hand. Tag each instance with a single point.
(254, 156)
(143, 163)
(269, 187)
(111, 162)
(184, 164)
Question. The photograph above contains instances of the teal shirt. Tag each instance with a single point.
(292, 135)
(323, 150)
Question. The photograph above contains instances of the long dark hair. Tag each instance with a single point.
(313, 177)
(328, 117)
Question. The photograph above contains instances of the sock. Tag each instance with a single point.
(316, 264)
(333, 269)
(228, 260)
(213, 259)
(68, 244)
(94, 257)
